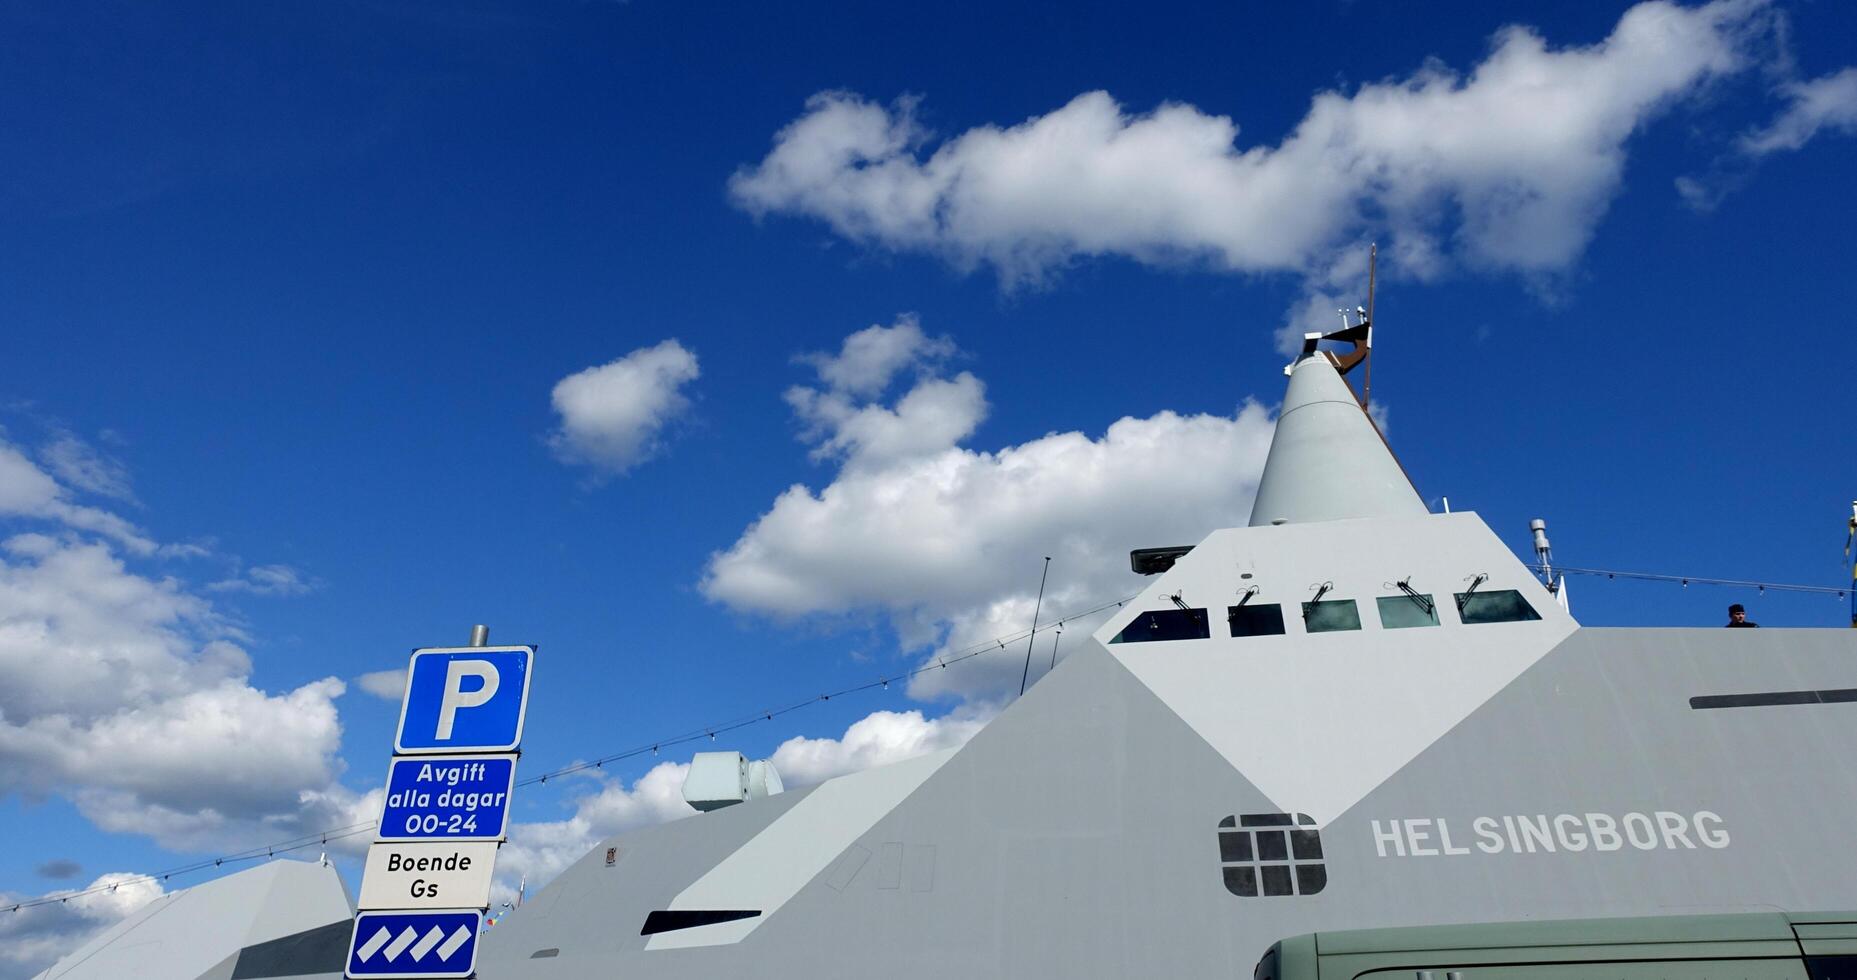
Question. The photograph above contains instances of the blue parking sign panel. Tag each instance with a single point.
(389, 945)
(447, 797)
(465, 699)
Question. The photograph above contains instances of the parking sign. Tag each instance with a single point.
(465, 699)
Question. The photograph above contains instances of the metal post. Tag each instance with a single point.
(480, 635)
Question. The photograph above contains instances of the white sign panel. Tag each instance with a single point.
(428, 875)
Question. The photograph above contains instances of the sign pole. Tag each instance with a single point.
(426, 883)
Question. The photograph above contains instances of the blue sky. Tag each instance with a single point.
(289, 294)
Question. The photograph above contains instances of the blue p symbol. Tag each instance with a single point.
(457, 697)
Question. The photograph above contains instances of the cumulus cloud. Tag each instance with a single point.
(128, 693)
(388, 685)
(837, 415)
(877, 739)
(871, 358)
(613, 415)
(1821, 104)
(946, 540)
(26, 491)
(268, 580)
(1507, 166)
(32, 939)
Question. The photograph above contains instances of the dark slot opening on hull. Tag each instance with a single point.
(671, 920)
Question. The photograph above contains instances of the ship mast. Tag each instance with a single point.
(1357, 332)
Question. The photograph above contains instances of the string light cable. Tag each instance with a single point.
(1695, 580)
(765, 716)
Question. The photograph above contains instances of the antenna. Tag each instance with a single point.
(1373, 267)
(1543, 551)
(1027, 672)
(1360, 334)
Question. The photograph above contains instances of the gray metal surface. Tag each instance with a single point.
(1326, 460)
(1077, 835)
(283, 914)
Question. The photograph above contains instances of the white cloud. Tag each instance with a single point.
(613, 415)
(1822, 104)
(270, 580)
(129, 694)
(878, 739)
(388, 685)
(26, 491)
(32, 939)
(947, 540)
(1508, 166)
(935, 414)
(78, 464)
(869, 359)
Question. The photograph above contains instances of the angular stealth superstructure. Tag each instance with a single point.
(282, 919)
(1353, 713)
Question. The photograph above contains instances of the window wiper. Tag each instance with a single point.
(1464, 596)
(1405, 585)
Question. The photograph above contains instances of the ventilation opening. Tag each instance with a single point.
(671, 920)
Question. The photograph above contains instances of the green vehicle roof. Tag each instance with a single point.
(1745, 927)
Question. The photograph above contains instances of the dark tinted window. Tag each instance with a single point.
(1495, 606)
(1256, 619)
(1331, 615)
(1832, 967)
(1271, 854)
(1399, 612)
(1165, 624)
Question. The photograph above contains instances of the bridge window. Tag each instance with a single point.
(1331, 616)
(1494, 606)
(1165, 624)
(1256, 619)
(1398, 612)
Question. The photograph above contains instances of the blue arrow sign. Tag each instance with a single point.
(465, 699)
(414, 944)
(448, 797)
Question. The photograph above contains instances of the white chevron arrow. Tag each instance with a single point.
(425, 945)
(399, 945)
(459, 938)
(373, 945)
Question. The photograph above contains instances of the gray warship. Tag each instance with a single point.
(1351, 713)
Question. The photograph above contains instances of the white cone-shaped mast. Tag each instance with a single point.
(1327, 462)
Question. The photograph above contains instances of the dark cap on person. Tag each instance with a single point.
(1736, 608)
